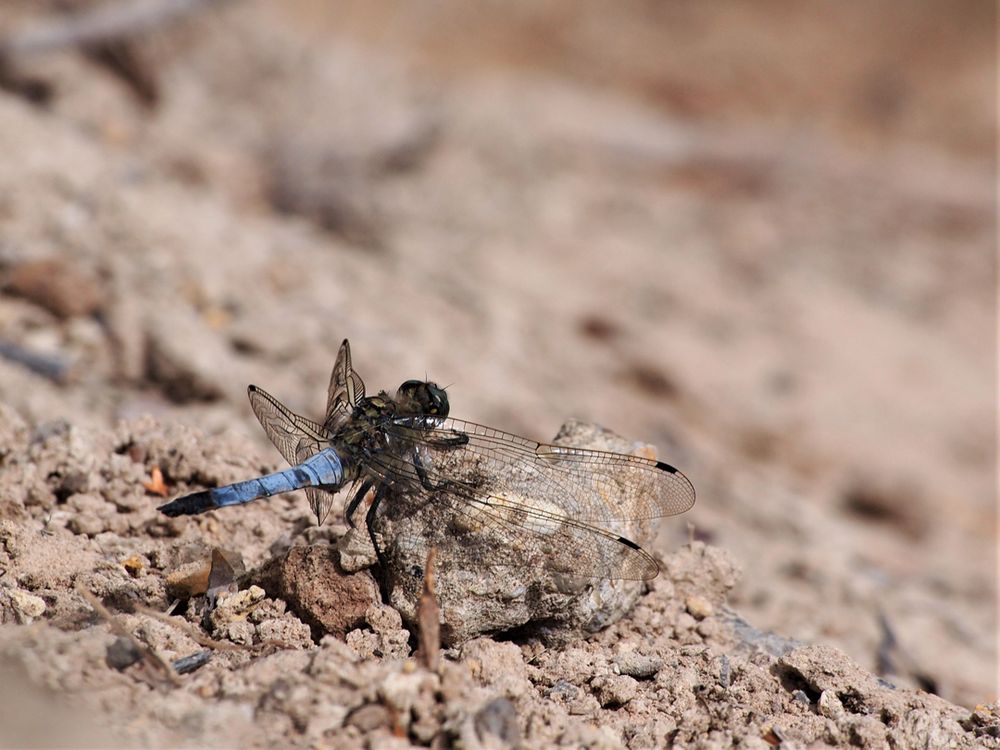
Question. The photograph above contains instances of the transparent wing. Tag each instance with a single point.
(587, 485)
(548, 503)
(296, 439)
(345, 391)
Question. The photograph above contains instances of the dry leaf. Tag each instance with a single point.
(156, 485)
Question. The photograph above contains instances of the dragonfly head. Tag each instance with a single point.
(421, 397)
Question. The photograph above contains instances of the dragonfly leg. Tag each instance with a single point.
(356, 501)
(370, 522)
(422, 474)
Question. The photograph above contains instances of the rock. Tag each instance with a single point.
(186, 358)
(369, 717)
(239, 631)
(698, 607)
(387, 638)
(638, 666)
(122, 653)
(232, 610)
(87, 524)
(25, 606)
(498, 666)
(497, 720)
(59, 285)
(321, 594)
(483, 578)
(285, 630)
(614, 690)
(830, 706)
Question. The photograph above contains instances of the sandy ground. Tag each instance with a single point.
(725, 233)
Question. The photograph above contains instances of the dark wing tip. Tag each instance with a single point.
(628, 543)
(662, 466)
(641, 566)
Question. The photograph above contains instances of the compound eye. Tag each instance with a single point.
(410, 387)
(439, 401)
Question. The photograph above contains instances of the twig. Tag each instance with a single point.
(50, 366)
(428, 615)
(189, 630)
(103, 24)
(148, 653)
(190, 663)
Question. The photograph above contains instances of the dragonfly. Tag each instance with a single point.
(485, 485)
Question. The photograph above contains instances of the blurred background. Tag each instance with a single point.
(761, 237)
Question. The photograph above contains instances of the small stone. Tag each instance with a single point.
(234, 608)
(614, 690)
(684, 622)
(122, 653)
(383, 619)
(369, 717)
(87, 524)
(318, 591)
(562, 691)
(638, 666)
(133, 565)
(287, 631)
(240, 631)
(830, 706)
(401, 690)
(364, 643)
(191, 663)
(499, 719)
(707, 628)
(26, 606)
(183, 357)
(61, 286)
(698, 607)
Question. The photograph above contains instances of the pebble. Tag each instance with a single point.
(240, 631)
(369, 717)
(698, 607)
(61, 286)
(230, 613)
(122, 653)
(499, 719)
(830, 706)
(637, 665)
(319, 592)
(26, 606)
(86, 523)
(614, 690)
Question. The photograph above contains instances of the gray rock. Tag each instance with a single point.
(496, 586)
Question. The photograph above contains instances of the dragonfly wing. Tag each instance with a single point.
(588, 485)
(482, 527)
(296, 439)
(345, 391)
(549, 502)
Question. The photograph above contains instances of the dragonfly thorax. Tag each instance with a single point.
(414, 398)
